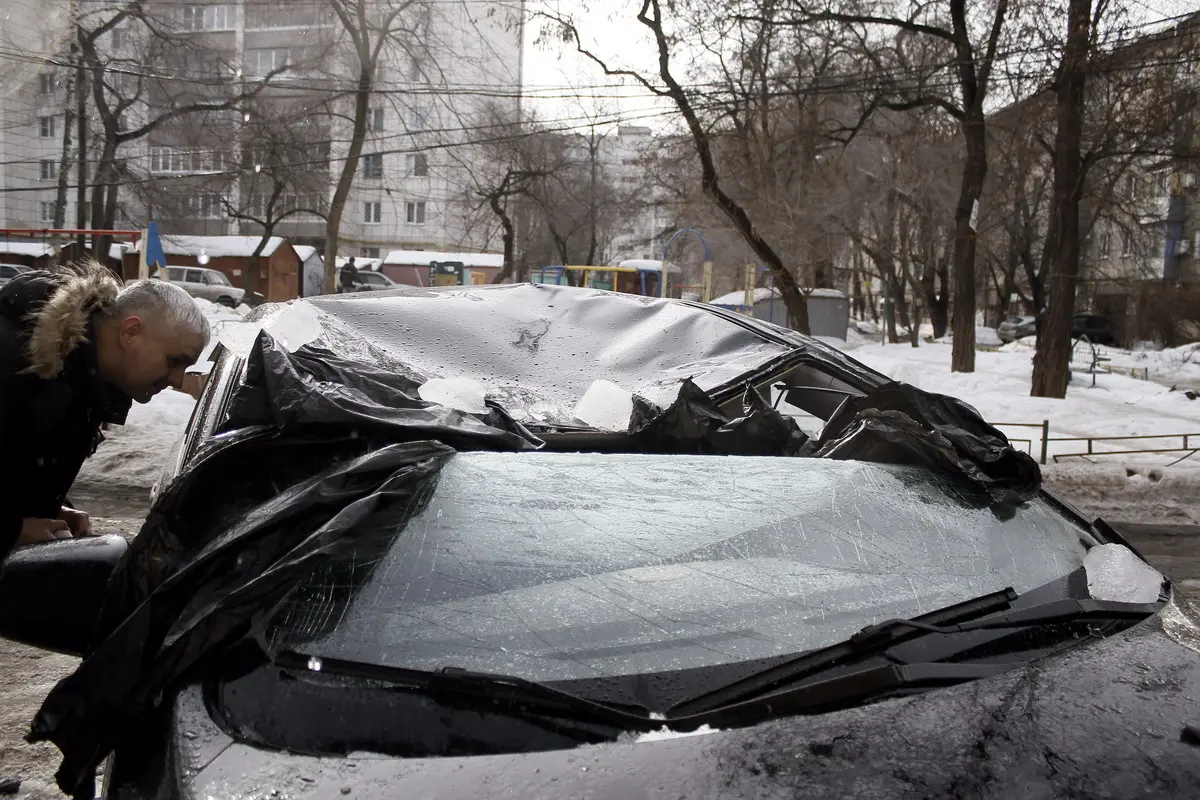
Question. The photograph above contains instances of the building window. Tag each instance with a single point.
(1126, 244)
(414, 68)
(372, 165)
(47, 83)
(418, 164)
(46, 127)
(188, 162)
(208, 18)
(1105, 243)
(49, 170)
(118, 38)
(261, 63)
(48, 211)
(377, 119)
(206, 205)
(1131, 186)
(416, 119)
(369, 252)
(373, 213)
(415, 212)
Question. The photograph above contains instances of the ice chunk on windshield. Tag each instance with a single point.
(1115, 573)
(293, 326)
(461, 394)
(667, 733)
(606, 406)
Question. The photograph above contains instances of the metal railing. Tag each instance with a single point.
(1189, 443)
(1044, 426)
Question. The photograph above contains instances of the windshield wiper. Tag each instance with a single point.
(989, 612)
(452, 684)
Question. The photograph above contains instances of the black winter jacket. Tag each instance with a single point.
(52, 403)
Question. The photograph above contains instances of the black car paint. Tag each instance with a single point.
(1101, 720)
(1105, 719)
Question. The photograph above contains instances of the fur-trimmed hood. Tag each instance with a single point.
(60, 324)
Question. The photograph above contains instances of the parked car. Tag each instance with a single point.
(539, 542)
(1015, 328)
(10, 271)
(371, 281)
(210, 284)
(1097, 329)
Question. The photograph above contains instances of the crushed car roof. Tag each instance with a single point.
(538, 349)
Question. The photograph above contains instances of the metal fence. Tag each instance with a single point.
(1186, 443)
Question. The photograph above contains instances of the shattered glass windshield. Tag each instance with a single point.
(557, 567)
(567, 566)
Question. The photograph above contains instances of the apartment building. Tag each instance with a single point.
(236, 114)
(32, 95)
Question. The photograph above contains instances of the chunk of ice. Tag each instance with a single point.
(293, 326)
(1115, 573)
(606, 406)
(461, 394)
(667, 733)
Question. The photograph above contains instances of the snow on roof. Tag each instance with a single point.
(305, 251)
(763, 293)
(421, 258)
(35, 249)
(218, 246)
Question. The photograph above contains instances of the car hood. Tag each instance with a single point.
(1104, 719)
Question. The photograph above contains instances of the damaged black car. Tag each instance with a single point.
(544, 542)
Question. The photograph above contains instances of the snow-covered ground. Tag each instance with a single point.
(1118, 486)
(1118, 405)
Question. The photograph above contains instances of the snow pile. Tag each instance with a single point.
(1114, 573)
(1172, 365)
(134, 454)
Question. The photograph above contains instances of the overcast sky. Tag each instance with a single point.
(564, 89)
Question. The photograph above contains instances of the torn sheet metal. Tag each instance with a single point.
(215, 591)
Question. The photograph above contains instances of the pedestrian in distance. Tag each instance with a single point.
(349, 276)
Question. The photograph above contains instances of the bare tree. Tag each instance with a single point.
(283, 173)
(131, 102)
(372, 26)
(666, 85)
(921, 38)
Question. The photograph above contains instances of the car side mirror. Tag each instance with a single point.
(51, 593)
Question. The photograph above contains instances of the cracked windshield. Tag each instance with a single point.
(558, 567)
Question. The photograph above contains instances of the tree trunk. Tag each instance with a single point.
(856, 284)
(1051, 362)
(962, 357)
(64, 159)
(333, 223)
(509, 238)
